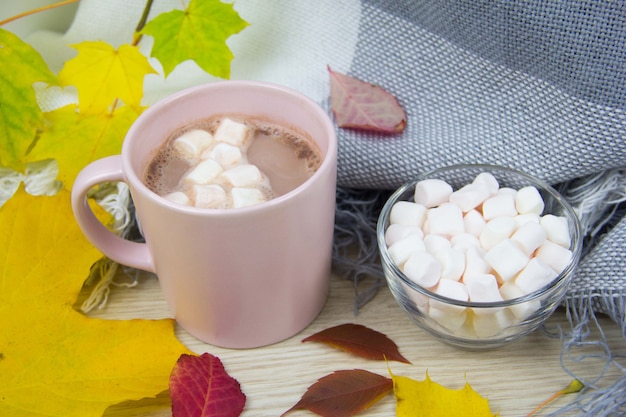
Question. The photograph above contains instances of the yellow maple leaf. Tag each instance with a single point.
(75, 139)
(103, 74)
(430, 399)
(54, 361)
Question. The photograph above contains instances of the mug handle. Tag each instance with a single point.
(120, 250)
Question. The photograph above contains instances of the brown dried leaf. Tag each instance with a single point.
(359, 340)
(344, 393)
(360, 105)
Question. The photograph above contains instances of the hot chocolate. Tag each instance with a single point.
(231, 161)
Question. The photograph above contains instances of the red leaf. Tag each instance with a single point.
(360, 105)
(359, 340)
(344, 393)
(201, 387)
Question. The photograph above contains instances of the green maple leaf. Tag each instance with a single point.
(20, 115)
(198, 33)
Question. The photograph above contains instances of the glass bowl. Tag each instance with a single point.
(473, 322)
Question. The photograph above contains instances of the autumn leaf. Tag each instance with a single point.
(430, 399)
(102, 74)
(75, 139)
(55, 361)
(359, 340)
(201, 387)
(572, 388)
(344, 393)
(20, 115)
(360, 105)
(198, 33)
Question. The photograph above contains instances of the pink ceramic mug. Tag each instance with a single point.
(236, 278)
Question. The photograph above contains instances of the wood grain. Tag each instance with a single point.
(514, 378)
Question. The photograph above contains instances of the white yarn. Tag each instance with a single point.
(116, 200)
(39, 178)
(596, 197)
(10, 181)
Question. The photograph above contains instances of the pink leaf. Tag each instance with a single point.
(360, 105)
(201, 387)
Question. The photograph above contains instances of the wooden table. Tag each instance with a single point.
(515, 378)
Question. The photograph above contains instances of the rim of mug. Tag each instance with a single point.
(135, 177)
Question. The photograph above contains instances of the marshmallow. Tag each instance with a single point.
(470, 196)
(502, 205)
(529, 237)
(475, 263)
(402, 250)
(453, 290)
(482, 288)
(464, 241)
(204, 172)
(397, 231)
(432, 192)
(246, 175)
(489, 325)
(406, 212)
(495, 231)
(522, 219)
(451, 320)
(226, 155)
(528, 200)
(231, 132)
(511, 192)
(445, 220)
(178, 197)
(420, 300)
(243, 197)
(510, 291)
(191, 144)
(488, 180)
(452, 263)
(423, 269)
(209, 196)
(557, 229)
(537, 274)
(554, 255)
(474, 222)
(435, 243)
(507, 259)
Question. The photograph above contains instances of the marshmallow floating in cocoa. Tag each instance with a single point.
(220, 175)
(209, 196)
(204, 172)
(244, 197)
(232, 132)
(191, 144)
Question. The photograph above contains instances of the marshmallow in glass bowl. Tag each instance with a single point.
(478, 255)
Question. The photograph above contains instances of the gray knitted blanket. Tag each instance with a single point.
(537, 86)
